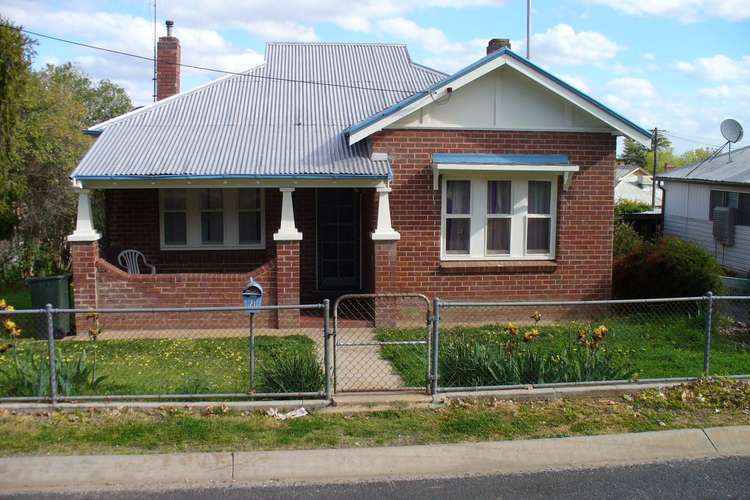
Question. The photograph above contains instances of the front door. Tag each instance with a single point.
(338, 230)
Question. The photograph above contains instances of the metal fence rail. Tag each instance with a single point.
(211, 353)
(502, 345)
(374, 343)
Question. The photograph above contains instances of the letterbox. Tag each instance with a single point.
(252, 295)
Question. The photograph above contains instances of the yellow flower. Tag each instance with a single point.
(600, 332)
(531, 335)
(511, 329)
(9, 324)
(3, 304)
(10, 308)
(537, 316)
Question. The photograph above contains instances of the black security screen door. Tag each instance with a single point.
(338, 239)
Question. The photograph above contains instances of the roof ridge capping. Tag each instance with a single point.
(494, 60)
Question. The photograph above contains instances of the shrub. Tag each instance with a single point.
(668, 268)
(28, 375)
(506, 356)
(292, 370)
(625, 240)
(623, 207)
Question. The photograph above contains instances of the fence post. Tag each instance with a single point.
(52, 355)
(327, 347)
(435, 345)
(707, 336)
(252, 352)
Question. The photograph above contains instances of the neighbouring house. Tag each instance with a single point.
(347, 167)
(634, 184)
(692, 195)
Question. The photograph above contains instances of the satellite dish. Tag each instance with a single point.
(731, 130)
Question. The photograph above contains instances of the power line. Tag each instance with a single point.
(688, 139)
(215, 70)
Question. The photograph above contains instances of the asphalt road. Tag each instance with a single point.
(700, 479)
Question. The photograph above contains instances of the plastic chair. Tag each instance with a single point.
(129, 260)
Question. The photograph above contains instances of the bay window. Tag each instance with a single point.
(499, 217)
(208, 218)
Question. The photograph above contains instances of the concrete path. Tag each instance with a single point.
(361, 367)
(505, 457)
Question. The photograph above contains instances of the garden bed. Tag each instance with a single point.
(170, 366)
(639, 347)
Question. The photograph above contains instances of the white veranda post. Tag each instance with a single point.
(384, 230)
(84, 222)
(287, 230)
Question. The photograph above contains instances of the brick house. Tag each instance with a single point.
(337, 168)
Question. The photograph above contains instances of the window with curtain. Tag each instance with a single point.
(458, 217)
(539, 218)
(499, 217)
(506, 217)
(207, 218)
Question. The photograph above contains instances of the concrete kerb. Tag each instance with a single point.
(332, 465)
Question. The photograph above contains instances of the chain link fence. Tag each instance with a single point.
(380, 342)
(486, 345)
(166, 354)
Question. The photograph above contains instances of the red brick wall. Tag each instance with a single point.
(133, 222)
(167, 67)
(584, 223)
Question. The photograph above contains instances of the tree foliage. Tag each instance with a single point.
(637, 155)
(50, 110)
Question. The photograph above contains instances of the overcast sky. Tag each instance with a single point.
(681, 65)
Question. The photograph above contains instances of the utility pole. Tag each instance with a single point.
(655, 147)
(155, 54)
(528, 29)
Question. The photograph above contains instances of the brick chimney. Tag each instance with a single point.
(167, 64)
(496, 44)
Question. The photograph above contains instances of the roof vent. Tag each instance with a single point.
(496, 44)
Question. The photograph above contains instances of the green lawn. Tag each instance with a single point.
(650, 346)
(702, 404)
(168, 366)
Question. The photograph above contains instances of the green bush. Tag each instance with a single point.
(28, 375)
(623, 207)
(292, 370)
(625, 240)
(668, 268)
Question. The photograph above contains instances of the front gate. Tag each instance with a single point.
(381, 342)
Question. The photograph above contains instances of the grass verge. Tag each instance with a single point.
(700, 404)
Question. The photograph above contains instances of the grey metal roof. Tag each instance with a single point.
(718, 170)
(260, 124)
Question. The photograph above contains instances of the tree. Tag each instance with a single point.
(634, 153)
(16, 52)
(51, 108)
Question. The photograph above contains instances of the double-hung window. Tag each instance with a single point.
(499, 217)
(212, 218)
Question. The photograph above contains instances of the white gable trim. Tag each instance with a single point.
(483, 69)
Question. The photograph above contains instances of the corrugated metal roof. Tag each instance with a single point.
(718, 170)
(500, 159)
(259, 124)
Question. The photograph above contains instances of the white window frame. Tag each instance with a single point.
(230, 201)
(519, 216)
(447, 216)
